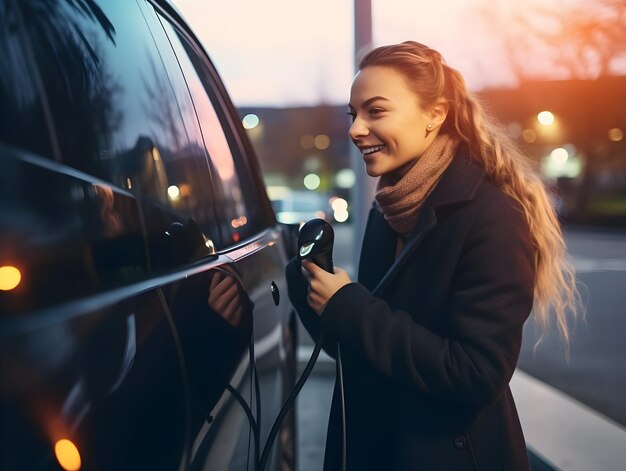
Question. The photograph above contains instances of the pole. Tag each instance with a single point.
(362, 193)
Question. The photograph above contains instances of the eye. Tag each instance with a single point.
(352, 114)
(375, 111)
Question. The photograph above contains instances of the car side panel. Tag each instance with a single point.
(87, 352)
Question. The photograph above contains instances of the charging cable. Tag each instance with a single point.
(315, 243)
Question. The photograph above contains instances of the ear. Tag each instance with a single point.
(438, 113)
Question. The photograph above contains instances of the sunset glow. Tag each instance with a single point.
(294, 60)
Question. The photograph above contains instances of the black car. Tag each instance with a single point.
(144, 322)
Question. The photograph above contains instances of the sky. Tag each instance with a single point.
(292, 53)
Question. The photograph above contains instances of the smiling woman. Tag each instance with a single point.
(460, 245)
(385, 114)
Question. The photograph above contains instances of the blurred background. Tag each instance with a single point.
(553, 73)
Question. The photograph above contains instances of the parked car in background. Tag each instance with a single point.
(144, 321)
(296, 207)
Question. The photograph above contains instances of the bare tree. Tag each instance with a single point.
(583, 41)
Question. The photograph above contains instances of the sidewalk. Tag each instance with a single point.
(313, 407)
(567, 433)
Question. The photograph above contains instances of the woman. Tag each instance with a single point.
(461, 244)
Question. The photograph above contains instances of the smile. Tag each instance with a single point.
(370, 150)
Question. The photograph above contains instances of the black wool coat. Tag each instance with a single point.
(430, 340)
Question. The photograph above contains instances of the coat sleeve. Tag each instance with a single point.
(298, 292)
(491, 297)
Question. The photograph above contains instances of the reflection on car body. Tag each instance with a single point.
(215, 331)
(138, 250)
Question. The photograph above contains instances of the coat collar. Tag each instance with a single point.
(457, 186)
(459, 182)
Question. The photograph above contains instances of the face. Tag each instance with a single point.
(389, 126)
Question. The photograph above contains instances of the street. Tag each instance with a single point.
(596, 371)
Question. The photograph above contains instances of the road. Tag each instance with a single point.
(595, 373)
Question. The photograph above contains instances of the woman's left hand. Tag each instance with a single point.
(322, 285)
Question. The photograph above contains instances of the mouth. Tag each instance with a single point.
(369, 150)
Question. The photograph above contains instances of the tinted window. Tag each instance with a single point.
(158, 220)
(22, 122)
(238, 202)
(114, 107)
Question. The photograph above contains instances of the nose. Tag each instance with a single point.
(358, 129)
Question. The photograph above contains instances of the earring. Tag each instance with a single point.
(430, 126)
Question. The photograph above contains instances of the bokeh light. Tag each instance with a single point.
(341, 216)
(345, 178)
(322, 141)
(545, 118)
(312, 181)
(10, 278)
(338, 204)
(616, 134)
(67, 455)
(173, 192)
(250, 121)
(529, 135)
(559, 155)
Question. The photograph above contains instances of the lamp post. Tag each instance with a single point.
(363, 190)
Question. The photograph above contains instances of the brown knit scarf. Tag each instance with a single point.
(401, 199)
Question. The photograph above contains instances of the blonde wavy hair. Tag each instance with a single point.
(555, 292)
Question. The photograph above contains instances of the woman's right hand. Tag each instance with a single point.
(323, 285)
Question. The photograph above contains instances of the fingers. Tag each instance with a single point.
(305, 274)
(310, 267)
(342, 276)
(225, 284)
(233, 312)
(215, 279)
(223, 292)
(311, 271)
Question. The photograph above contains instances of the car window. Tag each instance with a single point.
(236, 198)
(114, 107)
(22, 117)
(65, 234)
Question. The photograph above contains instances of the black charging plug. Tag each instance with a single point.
(315, 243)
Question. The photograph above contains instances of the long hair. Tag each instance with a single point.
(431, 79)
